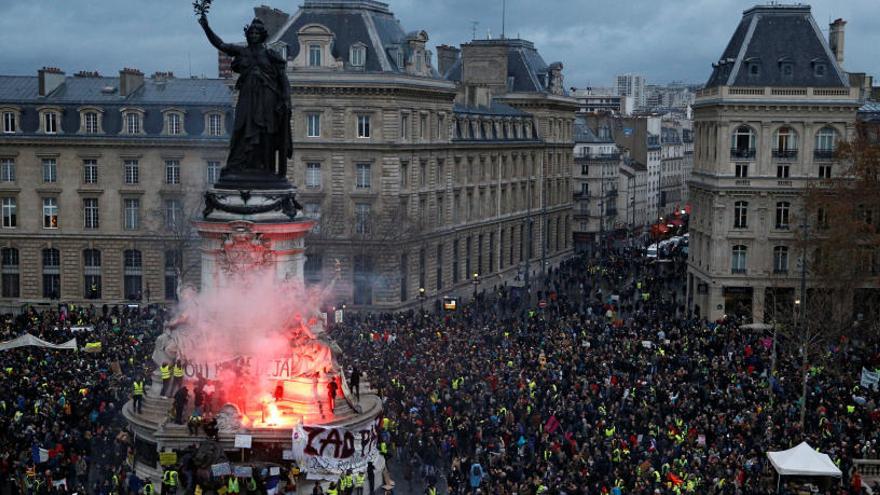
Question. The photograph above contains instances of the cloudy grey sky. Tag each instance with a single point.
(663, 39)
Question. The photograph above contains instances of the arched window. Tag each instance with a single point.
(9, 269)
(826, 142)
(51, 273)
(738, 259)
(92, 273)
(780, 259)
(741, 214)
(743, 142)
(133, 274)
(785, 143)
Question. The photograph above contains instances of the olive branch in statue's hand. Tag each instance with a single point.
(201, 7)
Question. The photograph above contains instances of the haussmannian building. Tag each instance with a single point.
(421, 176)
(98, 177)
(766, 125)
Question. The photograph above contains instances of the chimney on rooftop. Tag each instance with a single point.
(49, 79)
(836, 39)
(130, 80)
(446, 58)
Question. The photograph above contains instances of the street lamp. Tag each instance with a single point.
(476, 282)
(422, 297)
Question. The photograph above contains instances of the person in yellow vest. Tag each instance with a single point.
(431, 489)
(165, 372)
(346, 483)
(169, 481)
(359, 479)
(232, 485)
(137, 396)
(332, 490)
(177, 373)
(149, 489)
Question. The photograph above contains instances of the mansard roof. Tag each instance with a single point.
(367, 22)
(784, 45)
(195, 96)
(524, 64)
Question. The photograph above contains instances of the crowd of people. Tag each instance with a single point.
(608, 386)
(611, 387)
(61, 428)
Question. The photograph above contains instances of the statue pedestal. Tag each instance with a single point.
(237, 246)
(255, 232)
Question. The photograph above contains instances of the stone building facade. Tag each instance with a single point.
(443, 180)
(765, 126)
(99, 178)
(596, 180)
(422, 179)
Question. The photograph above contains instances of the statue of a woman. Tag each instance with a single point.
(261, 141)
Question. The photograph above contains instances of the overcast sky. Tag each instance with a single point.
(665, 40)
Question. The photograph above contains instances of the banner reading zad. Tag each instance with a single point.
(334, 450)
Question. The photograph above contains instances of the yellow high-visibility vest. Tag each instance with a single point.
(165, 370)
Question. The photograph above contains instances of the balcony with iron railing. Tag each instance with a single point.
(596, 157)
(824, 155)
(785, 154)
(742, 153)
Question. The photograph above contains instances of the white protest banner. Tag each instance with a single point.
(243, 441)
(274, 471)
(870, 379)
(244, 471)
(221, 469)
(335, 450)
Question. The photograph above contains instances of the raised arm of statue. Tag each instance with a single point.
(215, 40)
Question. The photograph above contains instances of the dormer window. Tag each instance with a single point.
(400, 60)
(314, 55)
(175, 124)
(10, 120)
(418, 57)
(132, 120)
(819, 70)
(753, 67)
(214, 124)
(50, 120)
(315, 48)
(787, 69)
(357, 55)
(90, 122)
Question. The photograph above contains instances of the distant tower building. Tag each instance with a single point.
(632, 85)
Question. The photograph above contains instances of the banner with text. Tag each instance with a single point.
(335, 449)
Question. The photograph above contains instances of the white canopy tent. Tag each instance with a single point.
(29, 340)
(803, 460)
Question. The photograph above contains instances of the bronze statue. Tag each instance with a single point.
(261, 141)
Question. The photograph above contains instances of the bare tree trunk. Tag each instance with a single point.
(805, 377)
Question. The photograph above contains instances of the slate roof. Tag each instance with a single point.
(195, 96)
(524, 64)
(771, 36)
(869, 111)
(494, 108)
(352, 21)
(583, 133)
